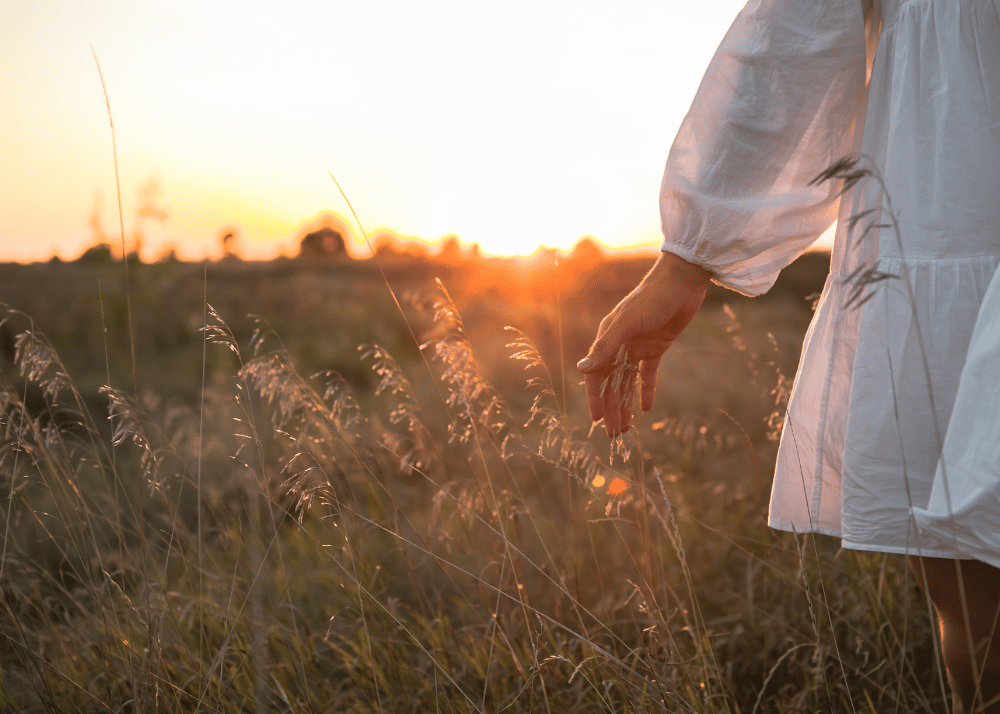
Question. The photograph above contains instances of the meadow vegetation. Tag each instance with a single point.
(312, 500)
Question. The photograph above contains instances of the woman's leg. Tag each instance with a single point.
(946, 581)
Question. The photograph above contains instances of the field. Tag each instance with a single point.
(308, 498)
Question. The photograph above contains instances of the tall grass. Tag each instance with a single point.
(293, 545)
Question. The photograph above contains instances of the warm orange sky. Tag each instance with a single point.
(510, 124)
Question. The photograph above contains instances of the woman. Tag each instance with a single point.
(891, 439)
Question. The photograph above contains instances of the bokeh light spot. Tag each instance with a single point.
(617, 486)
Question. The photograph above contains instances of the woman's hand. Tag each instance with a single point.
(645, 323)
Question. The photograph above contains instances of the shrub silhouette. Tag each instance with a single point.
(99, 253)
(321, 244)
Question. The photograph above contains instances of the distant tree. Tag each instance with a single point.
(148, 197)
(451, 250)
(148, 210)
(322, 244)
(396, 248)
(99, 253)
(586, 251)
(229, 240)
(96, 227)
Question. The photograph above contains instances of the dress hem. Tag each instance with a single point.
(873, 547)
(922, 552)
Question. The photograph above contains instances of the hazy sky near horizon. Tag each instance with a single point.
(514, 125)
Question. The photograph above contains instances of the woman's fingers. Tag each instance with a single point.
(614, 405)
(618, 401)
(610, 338)
(628, 399)
(612, 412)
(595, 399)
(648, 370)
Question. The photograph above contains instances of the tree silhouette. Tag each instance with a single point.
(322, 244)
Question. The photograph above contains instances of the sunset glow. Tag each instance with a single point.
(531, 125)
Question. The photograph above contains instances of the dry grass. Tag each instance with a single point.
(444, 535)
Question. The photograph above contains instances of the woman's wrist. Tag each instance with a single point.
(670, 267)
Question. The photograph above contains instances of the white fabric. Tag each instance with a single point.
(795, 85)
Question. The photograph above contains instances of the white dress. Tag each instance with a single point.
(892, 436)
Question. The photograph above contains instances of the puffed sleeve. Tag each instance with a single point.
(777, 105)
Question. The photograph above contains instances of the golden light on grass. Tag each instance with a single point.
(346, 547)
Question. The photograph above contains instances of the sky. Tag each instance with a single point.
(512, 125)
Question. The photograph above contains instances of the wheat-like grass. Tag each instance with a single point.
(430, 564)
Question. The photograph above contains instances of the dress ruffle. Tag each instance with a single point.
(964, 504)
(894, 372)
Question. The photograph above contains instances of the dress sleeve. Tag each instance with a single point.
(777, 105)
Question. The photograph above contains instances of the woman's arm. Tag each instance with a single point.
(779, 103)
